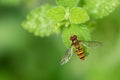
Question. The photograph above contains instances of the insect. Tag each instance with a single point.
(77, 46)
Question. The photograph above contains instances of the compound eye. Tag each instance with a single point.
(75, 37)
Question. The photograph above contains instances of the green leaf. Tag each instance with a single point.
(57, 27)
(56, 13)
(80, 30)
(78, 15)
(67, 3)
(100, 8)
(38, 23)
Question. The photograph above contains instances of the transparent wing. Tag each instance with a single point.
(91, 43)
(67, 56)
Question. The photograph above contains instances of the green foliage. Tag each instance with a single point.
(100, 8)
(78, 15)
(57, 13)
(38, 23)
(67, 3)
(68, 18)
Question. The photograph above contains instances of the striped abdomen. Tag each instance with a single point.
(80, 52)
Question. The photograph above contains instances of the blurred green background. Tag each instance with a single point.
(24, 56)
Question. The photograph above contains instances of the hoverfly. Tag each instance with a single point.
(77, 46)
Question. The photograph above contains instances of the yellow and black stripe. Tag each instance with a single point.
(80, 53)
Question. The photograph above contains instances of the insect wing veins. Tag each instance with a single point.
(91, 43)
(67, 56)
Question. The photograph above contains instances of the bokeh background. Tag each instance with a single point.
(24, 56)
